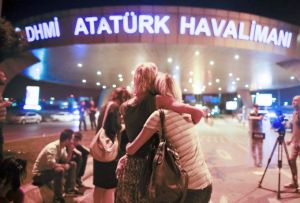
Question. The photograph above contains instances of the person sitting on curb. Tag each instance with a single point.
(80, 156)
(54, 163)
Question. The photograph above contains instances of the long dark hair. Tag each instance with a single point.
(118, 96)
(13, 170)
(112, 125)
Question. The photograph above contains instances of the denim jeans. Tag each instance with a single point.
(198, 196)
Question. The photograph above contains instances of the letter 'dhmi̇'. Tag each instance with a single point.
(44, 30)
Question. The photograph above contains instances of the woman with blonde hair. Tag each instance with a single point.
(130, 169)
(183, 135)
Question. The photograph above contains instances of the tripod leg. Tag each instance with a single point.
(279, 168)
(294, 175)
(269, 161)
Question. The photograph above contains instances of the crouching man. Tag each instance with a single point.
(54, 164)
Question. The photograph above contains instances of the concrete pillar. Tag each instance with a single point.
(246, 97)
(247, 103)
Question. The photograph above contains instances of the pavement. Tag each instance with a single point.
(226, 148)
(29, 148)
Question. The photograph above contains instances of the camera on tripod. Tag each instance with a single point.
(279, 123)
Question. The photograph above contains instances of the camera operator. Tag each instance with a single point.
(295, 141)
(257, 135)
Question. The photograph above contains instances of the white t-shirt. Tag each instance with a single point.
(50, 154)
(184, 136)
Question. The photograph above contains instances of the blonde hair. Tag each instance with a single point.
(144, 77)
(166, 86)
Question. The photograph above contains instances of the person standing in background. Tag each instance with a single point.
(3, 106)
(82, 109)
(257, 135)
(295, 141)
(92, 114)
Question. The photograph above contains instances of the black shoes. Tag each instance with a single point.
(74, 191)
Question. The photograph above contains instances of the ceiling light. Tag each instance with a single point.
(191, 73)
(219, 88)
(98, 83)
(236, 57)
(114, 86)
(99, 72)
(217, 80)
(237, 79)
(79, 65)
(120, 79)
(17, 29)
(209, 83)
(233, 82)
(230, 74)
(239, 96)
(185, 90)
(177, 67)
(211, 63)
(170, 60)
(132, 72)
(190, 80)
(83, 80)
(197, 53)
(292, 77)
(104, 86)
(120, 75)
(246, 85)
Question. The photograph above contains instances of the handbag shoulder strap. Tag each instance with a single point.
(106, 112)
(162, 121)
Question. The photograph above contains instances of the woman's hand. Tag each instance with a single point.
(121, 165)
(197, 115)
(128, 148)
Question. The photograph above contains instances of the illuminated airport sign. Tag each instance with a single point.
(130, 23)
(44, 30)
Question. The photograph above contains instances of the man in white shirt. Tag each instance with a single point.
(54, 163)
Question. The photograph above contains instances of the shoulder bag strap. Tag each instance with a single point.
(162, 120)
(106, 112)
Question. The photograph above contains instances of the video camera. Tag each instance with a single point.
(279, 124)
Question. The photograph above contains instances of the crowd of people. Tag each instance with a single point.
(132, 121)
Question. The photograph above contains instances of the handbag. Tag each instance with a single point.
(168, 181)
(102, 148)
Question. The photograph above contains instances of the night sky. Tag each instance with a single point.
(286, 10)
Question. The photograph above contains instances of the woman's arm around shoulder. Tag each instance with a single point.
(168, 102)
